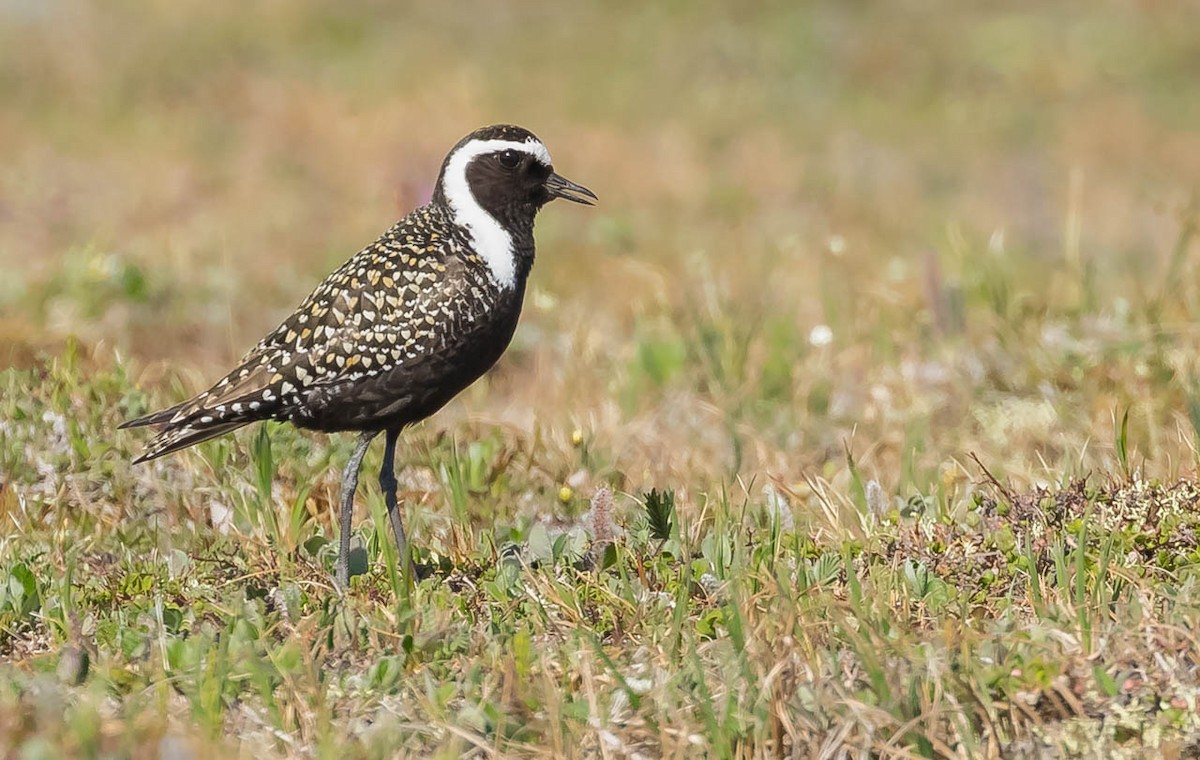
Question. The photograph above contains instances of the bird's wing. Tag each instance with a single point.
(361, 320)
(380, 278)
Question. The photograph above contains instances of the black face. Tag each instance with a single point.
(509, 182)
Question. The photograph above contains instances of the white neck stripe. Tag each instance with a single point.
(492, 242)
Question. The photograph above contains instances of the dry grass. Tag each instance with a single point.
(899, 302)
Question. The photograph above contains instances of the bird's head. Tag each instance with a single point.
(506, 172)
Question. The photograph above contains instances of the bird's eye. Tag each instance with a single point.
(509, 159)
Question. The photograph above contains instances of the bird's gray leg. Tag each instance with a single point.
(387, 484)
(349, 486)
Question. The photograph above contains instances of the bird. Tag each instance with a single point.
(401, 327)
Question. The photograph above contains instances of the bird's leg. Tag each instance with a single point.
(387, 484)
(349, 486)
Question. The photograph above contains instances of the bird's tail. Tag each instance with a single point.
(154, 418)
(176, 438)
(249, 393)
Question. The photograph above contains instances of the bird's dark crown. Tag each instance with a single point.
(498, 132)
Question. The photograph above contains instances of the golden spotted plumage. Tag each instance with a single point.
(411, 293)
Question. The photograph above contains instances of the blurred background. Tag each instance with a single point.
(903, 230)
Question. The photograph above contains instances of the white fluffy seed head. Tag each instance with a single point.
(492, 242)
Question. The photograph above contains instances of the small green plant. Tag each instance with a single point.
(660, 513)
(1122, 443)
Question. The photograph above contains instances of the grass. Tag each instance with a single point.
(881, 342)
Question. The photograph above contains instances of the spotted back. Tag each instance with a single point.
(418, 290)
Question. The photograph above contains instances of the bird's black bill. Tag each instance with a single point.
(560, 187)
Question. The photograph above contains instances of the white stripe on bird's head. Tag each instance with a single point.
(463, 155)
(492, 241)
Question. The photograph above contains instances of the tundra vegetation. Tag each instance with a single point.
(859, 419)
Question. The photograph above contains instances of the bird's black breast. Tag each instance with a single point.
(412, 391)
